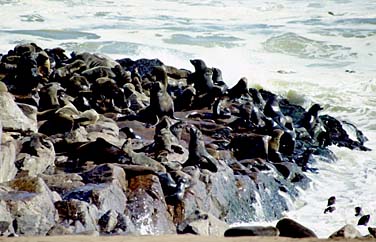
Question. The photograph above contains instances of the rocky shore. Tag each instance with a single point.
(98, 146)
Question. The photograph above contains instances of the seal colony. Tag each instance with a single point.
(139, 147)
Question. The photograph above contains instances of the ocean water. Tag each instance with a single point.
(310, 51)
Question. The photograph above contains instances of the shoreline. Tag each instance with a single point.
(160, 238)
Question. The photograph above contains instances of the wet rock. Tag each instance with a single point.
(104, 196)
(348, 232)
(8, 149)
(144, 66)
(147, 207)
(36, 155)
(31, 204)
(289, 228)
(12, 117)
(251, 231)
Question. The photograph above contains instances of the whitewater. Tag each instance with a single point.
(308, 51)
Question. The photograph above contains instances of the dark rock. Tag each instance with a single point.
(251, 231)
(144, 66)
(289, 228)
(372, 231)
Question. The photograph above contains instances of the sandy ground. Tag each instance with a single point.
(165, 238)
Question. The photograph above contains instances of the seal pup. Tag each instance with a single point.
(198, 154)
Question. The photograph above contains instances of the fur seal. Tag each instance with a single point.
(331, 201)
(241, 144)
(185, 99)
(312, 122)
(240, 89)
(161, 102)
(198, 155)
(364, 220)
(358, 211)
(202, 77)
(273, 110)
(274, 144)
(100, 151)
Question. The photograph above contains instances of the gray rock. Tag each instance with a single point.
(251, 231)
(8, 147)
(105, 196)
(30, 203)
(289, 228)
(348, 232)
(59, 229)
(12, 117)
(203, 224)
(62, 182)
(106, 173)
(82, 215)
(36, 155)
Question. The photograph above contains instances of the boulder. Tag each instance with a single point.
(203, 224)
(31, 204)
(147, 207)
(289, 228)
(12, 117)
(62, 182)
(105, 196)
(348, 232)
(36, 155)
(8, 149)
(106, 173)
(79, 215)
(251, 231)
(114, 222)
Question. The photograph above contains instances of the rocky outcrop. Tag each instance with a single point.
(85, 151)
